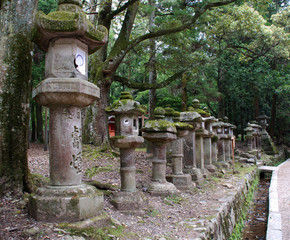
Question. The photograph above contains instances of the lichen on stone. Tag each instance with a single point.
(182, 126)
(126, 104)
(159, 126)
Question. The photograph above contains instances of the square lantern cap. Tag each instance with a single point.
(126, 105)
(69, 21)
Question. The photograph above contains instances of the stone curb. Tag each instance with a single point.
(274, 227)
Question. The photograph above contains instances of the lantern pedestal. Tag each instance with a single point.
(66, 203)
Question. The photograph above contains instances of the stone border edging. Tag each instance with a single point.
(274, 227)
(221, 227)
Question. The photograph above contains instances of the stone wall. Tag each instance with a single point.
(221, 226)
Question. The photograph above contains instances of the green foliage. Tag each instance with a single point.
(47, 6)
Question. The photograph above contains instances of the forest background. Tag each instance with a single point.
(234, 59)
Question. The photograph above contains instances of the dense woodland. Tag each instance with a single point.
(232, 55)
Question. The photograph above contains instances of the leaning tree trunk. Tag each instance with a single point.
(16, 25)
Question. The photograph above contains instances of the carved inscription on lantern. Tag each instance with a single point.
(76, 137)
(76, 162)
(67, 113)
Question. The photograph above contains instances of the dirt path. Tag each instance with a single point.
(166, 217)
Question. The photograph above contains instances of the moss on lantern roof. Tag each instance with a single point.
(158, 126)
(182, 126)
(65, 23)
(126, 104)
(201, 112)
(126, 95)
(159, 113)
(169, 111)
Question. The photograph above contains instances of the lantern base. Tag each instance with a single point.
(211, 168)
(162, 189)
(130, 202)
(181, 182)
(66, 203)
(196, 175)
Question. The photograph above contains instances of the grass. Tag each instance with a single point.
(173, 199)
(239, 227)
(90, 172)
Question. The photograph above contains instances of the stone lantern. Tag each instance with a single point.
(159, 132)
(200, 132)
(219, 126)
(126, 112)
(249, 136)
(192, 118)
(207, 143)
(262, 119)
(227, 139)
(178, 178)
(266, 141)
(256, 140)
(169, 112)
(214, 141)
(67, 37)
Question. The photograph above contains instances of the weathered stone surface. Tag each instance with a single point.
(69, 21)
(126, 141)
(66, 204)
(181, 182)
(126, 112)
(196, 175)
(162, 189)
(159, 132)
(129, 202)
(66, 91)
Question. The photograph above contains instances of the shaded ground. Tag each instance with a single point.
(171, 217)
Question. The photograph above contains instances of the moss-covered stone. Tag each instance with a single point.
(68, 21)
(126, 95)
(126, 106)
(182, 126)
(169, 111)
(159, 126)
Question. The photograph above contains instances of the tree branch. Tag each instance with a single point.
(147, 86)
(121, 9)
(180, 28)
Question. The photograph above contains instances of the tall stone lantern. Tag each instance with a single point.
(178, 178)
(249, 137)
(189, 159)
(126, 112)
(266, 142)
(67, 37)
(159, 132)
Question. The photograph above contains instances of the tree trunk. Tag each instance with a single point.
(16, 25)
(256, 104)
(184, 98)
(33, 124)
(273, 115)
(152, 63)
(39, 123)
(221, 103)
(101, 122)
